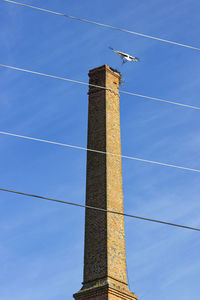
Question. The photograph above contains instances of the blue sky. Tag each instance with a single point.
(41, 243)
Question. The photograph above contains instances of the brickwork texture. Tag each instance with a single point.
(105, 275)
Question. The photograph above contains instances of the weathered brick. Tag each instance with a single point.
(105, 275)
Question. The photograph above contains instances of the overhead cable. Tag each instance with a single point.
(104, 25)
(101, 152)
(101, 87)
(99, 209)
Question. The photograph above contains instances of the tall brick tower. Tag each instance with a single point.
(105, 276)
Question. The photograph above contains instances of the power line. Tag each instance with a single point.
(101, 152)
(105, 25)
(99, 209)
(101, 87)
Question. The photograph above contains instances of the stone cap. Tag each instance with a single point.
(105, 68)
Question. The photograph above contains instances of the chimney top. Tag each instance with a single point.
(105, 68)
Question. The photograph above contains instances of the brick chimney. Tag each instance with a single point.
(105, 275)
